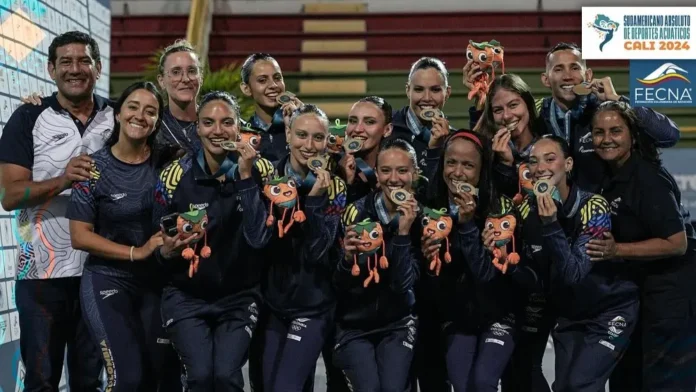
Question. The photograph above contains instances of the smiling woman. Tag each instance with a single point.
(112, 218)
(376, 325)
(583, 294)
(180, 76)
(510, 120)
(301, 261)
(650, 232)
(138, 117)
(214, 304)
(369, 121)
(262, 80)
(309, 130)
(427, 89)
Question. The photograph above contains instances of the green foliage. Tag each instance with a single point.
(228, 78)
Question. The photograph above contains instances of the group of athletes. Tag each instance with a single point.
(168, 241)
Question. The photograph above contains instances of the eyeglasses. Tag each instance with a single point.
(176, 74)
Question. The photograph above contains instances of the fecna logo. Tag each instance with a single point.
(665, 72)
(605, 27)
(662, 83)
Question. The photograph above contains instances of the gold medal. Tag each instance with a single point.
(429, 114)
(582, 89)
(542, 187)
(317, 162)
(463, 187)
(352, 145)
(400, 196)
(228, 145)
(285, 97)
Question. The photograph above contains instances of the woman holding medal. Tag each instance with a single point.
(595, 303)
(510, 120)
(302, 254)
(262, 80)
(215, 203)
(376, 324)
(422, 123)
(369, 122)
(463, 187)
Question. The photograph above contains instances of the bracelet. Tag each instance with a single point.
(131, 253)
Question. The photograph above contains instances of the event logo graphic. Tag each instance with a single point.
(666, 72)
(605, 27)
(660, 83)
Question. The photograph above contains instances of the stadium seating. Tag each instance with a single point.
(332, 59)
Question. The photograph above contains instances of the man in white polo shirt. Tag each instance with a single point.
(43, 150)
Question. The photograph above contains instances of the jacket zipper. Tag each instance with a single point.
(222, 227)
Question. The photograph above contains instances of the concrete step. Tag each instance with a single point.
(338, 46)
(329, 66)
(334, 26)
(338, 86)
(334, 8)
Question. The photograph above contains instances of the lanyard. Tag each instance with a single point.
(553, 119)
(381, 208)
(365, 169)
(415, 126)
(306, 183)
(571, 114)
(228, 167)
(453, 211)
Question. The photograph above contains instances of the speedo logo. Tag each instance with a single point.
(201, 206)
(108, 293)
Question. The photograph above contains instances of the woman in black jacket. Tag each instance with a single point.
(369, 121)
(376, 324)
(213, 229)
(305, 205)
(262, 80)
(650, 233)
(595, 303)
(450, 294)
(427, 88)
